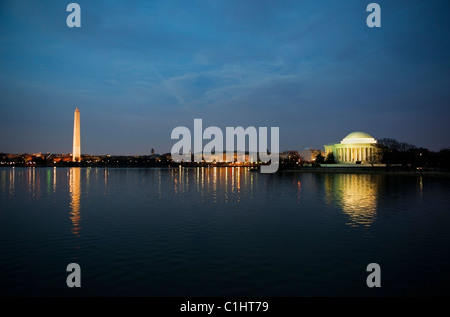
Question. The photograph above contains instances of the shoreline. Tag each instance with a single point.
(327, 170)
(369, 170)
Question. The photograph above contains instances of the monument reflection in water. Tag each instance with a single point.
(356, 194)
(75, 197)
(221, 232)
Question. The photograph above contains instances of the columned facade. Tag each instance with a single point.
(357, 147)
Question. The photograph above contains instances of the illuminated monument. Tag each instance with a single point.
(76, 153)
(355, 147)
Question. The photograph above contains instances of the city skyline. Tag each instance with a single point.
(315, 70)
(76, 153)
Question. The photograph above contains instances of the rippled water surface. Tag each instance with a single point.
(221, 232)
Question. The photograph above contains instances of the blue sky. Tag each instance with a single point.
(138, 69)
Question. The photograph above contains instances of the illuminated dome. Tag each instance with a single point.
(358, 137)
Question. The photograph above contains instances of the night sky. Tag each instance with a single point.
(138, 69)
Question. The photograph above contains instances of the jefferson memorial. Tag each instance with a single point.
(355, 147)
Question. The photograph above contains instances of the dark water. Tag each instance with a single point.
(221, 232)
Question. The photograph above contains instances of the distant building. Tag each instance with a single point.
(238, 156)
(290, 156)
(57, 158)
(309, 155)
(355, 147)
(313, 154)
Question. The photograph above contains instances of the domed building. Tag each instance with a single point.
(357, 147)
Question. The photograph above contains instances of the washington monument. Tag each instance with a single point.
(76, 154)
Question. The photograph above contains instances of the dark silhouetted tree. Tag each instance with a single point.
(330, 158)
(376, 156)
(395, 152)
(319, 159)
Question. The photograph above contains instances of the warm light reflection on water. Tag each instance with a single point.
(420, 185)
(11, 182)
(221, 231)
(54, 179)
(215, 183)
(75, 199)
(356, 194)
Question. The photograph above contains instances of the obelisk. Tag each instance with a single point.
(76, 154)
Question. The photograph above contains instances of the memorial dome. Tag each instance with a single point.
(358, 137)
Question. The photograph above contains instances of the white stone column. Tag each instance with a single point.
(76, 152)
